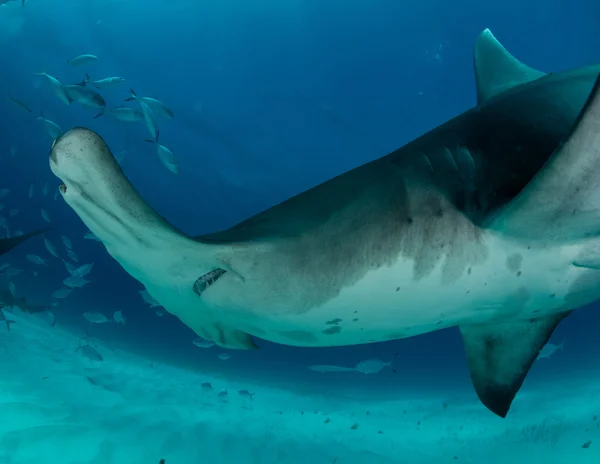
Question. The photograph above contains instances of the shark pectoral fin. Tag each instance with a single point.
(561, 204)
(496, 70)
(501, 354)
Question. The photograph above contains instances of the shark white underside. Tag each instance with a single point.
(397, 249)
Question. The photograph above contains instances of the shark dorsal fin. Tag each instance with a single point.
(496, 70)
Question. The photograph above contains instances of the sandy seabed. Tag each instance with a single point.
(58, 407)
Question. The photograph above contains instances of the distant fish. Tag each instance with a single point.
(90, 236)
(66, 242)
(71, 269)
(73, 255)
(83, 60)
(149, 299)
(87, 351)
(4, 192)
(123, 113)
(160, 313)
(201, 343)
(3, 318)
(325, 368)
(81, 271)
(222, 394)
(45, 215)
(19, 103)
(75, 281)
(84, 96)
(206, 386)
(30, 192)
(104, 83)
(13, 212)
(157, 106)
(12, 289)
(148, 114)
(224, 356)
(95, 317)
(549, 349)
(165, 155)
(369, 366)
(45, 189)
(51, 248)
(51, 127)
(35, 259)
(57, 87)
(245, 394)
(372, 366)
(62, 293)
(119, 318)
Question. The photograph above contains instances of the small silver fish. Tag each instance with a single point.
(371, 366)
(62, 293)
(148, 114)
(51, 248)
(123, 113)
(73, 255)
(87, 351)
(83, 60)
(149, 298)
(57, 87)
(104, 83)
(201, 343)
(224, 356)
(45, 215)
(549, 349)
(51, 127)
(119, 318)
(166, 156)
(245, 394)
(91, 236)
(75, 281)
(95, 317)
(35, 259)
(66, 242)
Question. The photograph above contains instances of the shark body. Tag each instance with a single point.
(489, 222)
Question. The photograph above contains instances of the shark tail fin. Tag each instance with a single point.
(501, 354)
(496, 70)
(561, 204)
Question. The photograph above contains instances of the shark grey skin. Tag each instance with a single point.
(7, 244)
(490, 222)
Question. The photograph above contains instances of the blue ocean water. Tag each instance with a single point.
(268, 99)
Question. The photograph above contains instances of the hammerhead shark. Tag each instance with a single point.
(489, 223)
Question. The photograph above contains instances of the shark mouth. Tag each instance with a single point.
(207, 280)
(62, 188)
